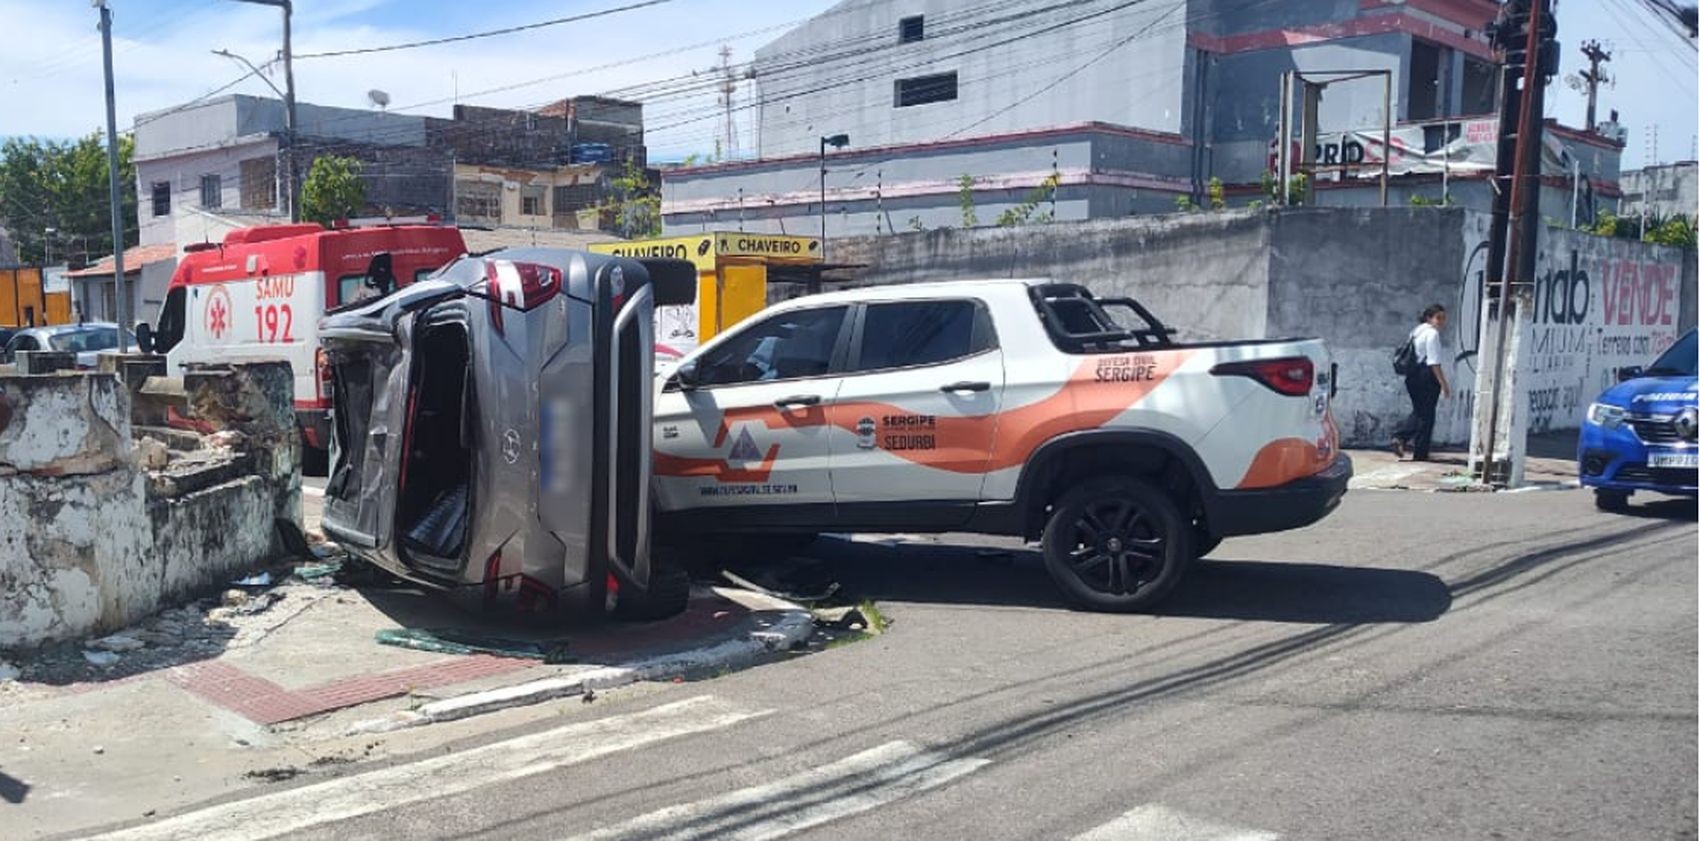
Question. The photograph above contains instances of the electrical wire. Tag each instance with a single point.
(509, 30)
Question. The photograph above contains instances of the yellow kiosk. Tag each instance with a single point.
(733, 272)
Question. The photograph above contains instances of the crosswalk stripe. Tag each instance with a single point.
(1157, 823)
(849, 786)
(293, 810)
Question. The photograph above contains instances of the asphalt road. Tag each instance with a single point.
(1418, 666)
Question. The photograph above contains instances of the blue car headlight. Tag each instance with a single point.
(1606, 415)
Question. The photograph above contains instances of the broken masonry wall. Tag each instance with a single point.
(90, 541)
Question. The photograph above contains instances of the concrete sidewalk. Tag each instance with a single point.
(1551, 463)
(276, 681)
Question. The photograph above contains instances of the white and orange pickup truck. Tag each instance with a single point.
(1013, 407)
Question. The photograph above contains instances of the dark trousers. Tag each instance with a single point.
(1417, 431)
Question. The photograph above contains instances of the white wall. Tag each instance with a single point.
(183, 172)
(830, 76)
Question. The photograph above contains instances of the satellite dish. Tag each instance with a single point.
(378, 98)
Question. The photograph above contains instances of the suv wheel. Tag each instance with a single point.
(669, 592)
(1611, 500)
(1117, 545)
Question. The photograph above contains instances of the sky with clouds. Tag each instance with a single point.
(50, 69)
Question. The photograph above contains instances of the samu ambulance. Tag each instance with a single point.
(260, 293)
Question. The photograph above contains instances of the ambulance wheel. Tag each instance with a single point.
(315, 461)
(1116, 545)
(669, 592)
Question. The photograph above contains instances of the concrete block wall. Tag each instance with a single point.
(90, 541)
(1356, 277)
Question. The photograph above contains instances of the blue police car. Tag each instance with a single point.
(1640, 434)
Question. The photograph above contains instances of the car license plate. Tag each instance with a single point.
(1673, 460)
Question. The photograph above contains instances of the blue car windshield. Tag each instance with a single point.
(1678, 361)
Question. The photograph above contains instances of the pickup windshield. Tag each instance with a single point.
(1078, 322)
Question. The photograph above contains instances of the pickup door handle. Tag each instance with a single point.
(965, 385)
(798, 400)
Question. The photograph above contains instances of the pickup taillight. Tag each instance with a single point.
(1290, 375)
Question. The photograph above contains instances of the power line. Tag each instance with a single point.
(487, 34)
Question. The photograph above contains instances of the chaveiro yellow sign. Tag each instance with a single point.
(732, 267)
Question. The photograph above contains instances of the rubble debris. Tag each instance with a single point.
(100, 658)
(259, 579)
(842, 618)
(8, 672)
(445, 641)
(152, 453)
(827, 593)
(274, 775)
(324, 573)
(98, 750)
(118, 643)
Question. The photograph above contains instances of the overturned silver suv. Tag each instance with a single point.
(491, 431)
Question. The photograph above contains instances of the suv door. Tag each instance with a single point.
(917, 413)
(749, 427)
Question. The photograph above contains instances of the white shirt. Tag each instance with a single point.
(1426, 340)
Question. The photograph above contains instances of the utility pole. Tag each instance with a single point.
(292, 180)
(1593, 77)
(728, 86)
(1524, 33)
(120, 293)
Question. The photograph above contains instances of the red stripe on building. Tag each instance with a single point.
(1400, 22)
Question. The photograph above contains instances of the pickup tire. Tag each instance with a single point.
(1116, 544)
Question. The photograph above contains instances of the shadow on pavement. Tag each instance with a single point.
(1682, 510)
(1263, 591)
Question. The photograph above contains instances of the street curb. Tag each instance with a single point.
(785, 625)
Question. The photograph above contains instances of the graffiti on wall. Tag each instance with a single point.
(1600, 305)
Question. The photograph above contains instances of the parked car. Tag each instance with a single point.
(1640, 434)
(85, 340)
(1012, 407)
(491, 432)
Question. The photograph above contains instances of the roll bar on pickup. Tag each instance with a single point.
(1079, 322)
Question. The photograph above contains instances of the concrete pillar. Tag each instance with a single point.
(1510, 436)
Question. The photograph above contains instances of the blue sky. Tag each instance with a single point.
(50, 72)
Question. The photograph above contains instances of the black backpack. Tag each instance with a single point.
(1405, 358)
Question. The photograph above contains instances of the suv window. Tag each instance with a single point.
(781, 347)
(907, 333)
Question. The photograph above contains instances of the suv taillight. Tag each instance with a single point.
(1292, 376)
(521, 286)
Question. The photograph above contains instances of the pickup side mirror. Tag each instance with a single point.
(1633, 372)
(144, 337)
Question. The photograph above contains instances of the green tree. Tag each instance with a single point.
(63, 185)
(333, 190)
(1217, 193)
(635, 203)
(965, 199)
(1185, 204)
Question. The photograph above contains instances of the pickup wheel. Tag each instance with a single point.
(1116, 545)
